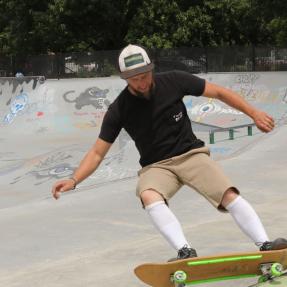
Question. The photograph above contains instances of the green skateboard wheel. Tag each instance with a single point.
(179, 276)
(276, 269)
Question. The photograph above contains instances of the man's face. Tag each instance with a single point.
(141, 85)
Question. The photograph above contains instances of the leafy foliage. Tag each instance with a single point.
(52, 26)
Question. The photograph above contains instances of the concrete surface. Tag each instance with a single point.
(97, 235)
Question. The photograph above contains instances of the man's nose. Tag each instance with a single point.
(143, 85)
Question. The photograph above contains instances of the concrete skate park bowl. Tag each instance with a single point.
(46, 127)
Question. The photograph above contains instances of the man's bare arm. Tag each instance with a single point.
(88, 165)
(262, 120)
(92, 160)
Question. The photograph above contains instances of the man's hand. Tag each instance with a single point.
(263, 121)
(62, 186)
(88, 165)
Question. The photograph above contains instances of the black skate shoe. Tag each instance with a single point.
(277, 244)
(184, 253)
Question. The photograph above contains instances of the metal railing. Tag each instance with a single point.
(230, 130)
(104, 63)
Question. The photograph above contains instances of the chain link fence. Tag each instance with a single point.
(104, 63)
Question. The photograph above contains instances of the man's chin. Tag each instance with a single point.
(145, 95)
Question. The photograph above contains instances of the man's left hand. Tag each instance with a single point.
(263, 121)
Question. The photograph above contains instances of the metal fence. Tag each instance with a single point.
(104, 63)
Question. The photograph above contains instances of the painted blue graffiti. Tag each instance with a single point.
(205, 109)
(18, 104)
(220, 150)
(188, 104)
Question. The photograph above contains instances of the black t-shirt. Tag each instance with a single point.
(160, 125)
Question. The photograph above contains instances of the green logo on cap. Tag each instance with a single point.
(133, 60)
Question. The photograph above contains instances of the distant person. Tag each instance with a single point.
(151, 110)
(19, 75)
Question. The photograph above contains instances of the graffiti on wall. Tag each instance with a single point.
(55, 165)
(253, 88)
(17, 106)
(92, 96)
(249, 86)
(63, 162)
(201, 110)
(248, 78)
(19, 102)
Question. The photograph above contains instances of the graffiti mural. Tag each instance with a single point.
(211, 107)
(62, 163)
(17, 97)
(17, 106)
(59, 171)
(248, 78)
(55, 165)
(93, 96)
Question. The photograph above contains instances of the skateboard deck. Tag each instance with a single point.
(213, 268)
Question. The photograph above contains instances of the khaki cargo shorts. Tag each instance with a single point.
(195, 169)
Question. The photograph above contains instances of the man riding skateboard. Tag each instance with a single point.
(151, 110)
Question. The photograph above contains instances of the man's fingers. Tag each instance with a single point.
(57, 189)
(270, 123)
(266, 126)
(61, 187)
(57, 195)
(264, 122)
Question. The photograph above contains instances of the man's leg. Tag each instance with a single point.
(245, 216)
(163, 218)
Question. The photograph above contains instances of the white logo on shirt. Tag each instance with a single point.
(178, 116)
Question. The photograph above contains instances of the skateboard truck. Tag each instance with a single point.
(270, 271)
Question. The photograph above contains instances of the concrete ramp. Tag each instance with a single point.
(267, 91)
(96, 235)
(46, 128)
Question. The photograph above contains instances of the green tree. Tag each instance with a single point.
(166, 24)
(29, 27)
(51, 29)
(18, 33)
(34, 26)
(194, 28)
(98, 24)
(275, 13)
(154, 23)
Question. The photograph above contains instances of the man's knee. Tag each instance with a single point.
(150, 196)
(230, 195)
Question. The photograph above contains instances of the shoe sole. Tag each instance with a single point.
(279, 243)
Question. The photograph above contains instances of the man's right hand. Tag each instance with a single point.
(62, 186)
(87, 166)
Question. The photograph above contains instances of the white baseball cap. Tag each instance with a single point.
(134, 60)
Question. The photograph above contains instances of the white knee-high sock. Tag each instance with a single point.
(248, 220)
(167, 224)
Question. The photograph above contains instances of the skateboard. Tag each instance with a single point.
(263, 264)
